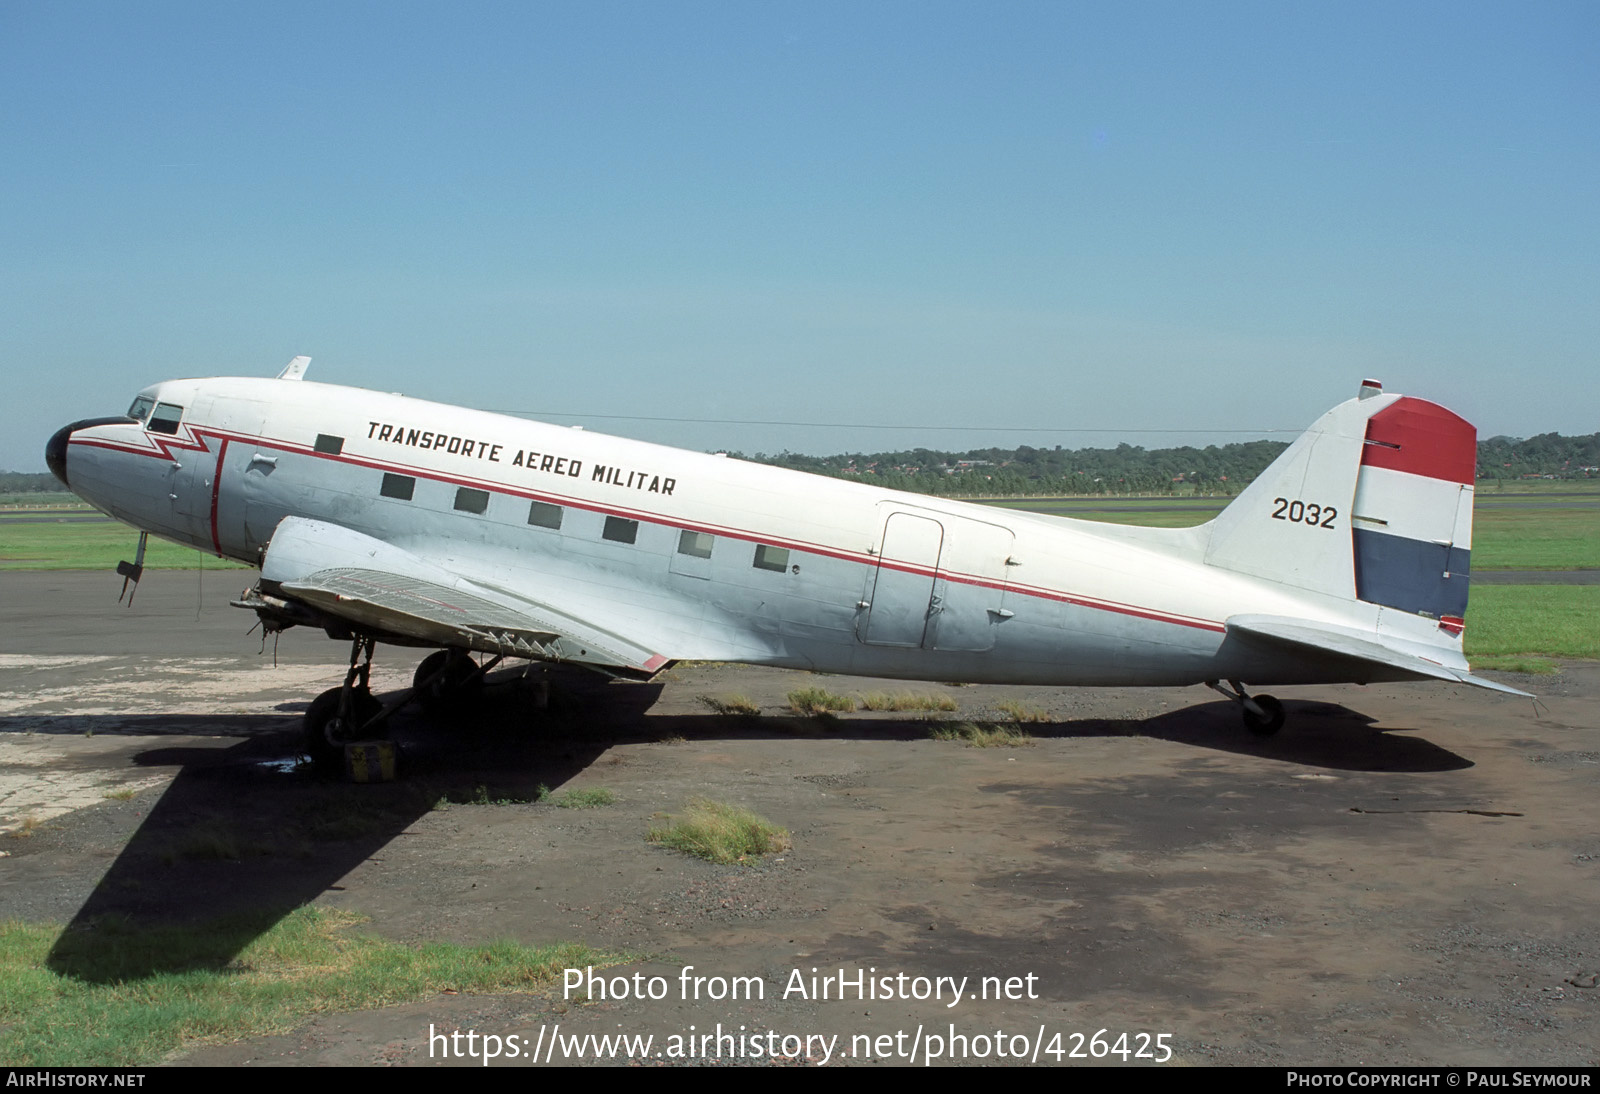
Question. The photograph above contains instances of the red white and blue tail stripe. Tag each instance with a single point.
(1411, 523)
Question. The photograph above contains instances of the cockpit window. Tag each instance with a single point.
(165, 418)
(141, 407)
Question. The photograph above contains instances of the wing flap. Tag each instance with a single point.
(382, 587)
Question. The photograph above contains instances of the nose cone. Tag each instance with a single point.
(55, 454)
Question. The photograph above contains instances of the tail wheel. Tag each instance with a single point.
(327, 732)
(1269, 721)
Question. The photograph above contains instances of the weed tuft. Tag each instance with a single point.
(592, 798)
(1021, 712)
(981, 736)
(905, 700)
(30, 824)
(732, 704)
(486, 795)
(720, 832)
(819, 701)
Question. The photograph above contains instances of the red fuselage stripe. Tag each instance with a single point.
(657, 518)
(216, 487)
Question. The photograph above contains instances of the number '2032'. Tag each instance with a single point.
(1304, 512)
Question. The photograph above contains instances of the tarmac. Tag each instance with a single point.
(1406, 874)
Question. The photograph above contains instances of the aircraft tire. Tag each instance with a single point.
(447, 686)
(1264, 727)
(325, 742)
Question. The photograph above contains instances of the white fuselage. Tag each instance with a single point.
(704, 557)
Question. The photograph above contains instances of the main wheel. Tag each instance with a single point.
(460, 671)
(327, 733)
(1259, 725)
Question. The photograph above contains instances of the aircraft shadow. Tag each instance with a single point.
(1317, 734)
(246, 834)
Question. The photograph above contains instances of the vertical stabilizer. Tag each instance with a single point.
(1293, 523)
(1372, 503)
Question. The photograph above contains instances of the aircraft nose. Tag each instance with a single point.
(55, 453)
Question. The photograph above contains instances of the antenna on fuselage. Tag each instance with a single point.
(295, 370)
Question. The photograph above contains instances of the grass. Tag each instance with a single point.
(981, 736)
(592, 798)
(1534, 666)
(1019, 711)
(1563, 534)
(720, 832)
(101, 1013)
(1506, 537)
(45, 499)
(732, 704)
(1151, 512)
(98, 545)
(820, 701)
(1554, 620)
(905, 700)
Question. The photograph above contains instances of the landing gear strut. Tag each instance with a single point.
(1263, 715)
(343, 714)
(351, 713)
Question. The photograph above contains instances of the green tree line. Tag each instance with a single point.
(1125, 469)
(1133, 469)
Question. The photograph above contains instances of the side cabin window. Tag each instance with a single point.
(329, 445)
(398, 486)
(695, 544)
(621, 530)
(544, 515)
(165, 418)
(469, 500)
(775, 559)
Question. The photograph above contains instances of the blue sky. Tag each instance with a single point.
(1060, 217)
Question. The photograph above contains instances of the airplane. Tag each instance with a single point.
(378, 517)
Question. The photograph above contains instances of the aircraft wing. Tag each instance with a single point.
(1306, 636)
(376, 585)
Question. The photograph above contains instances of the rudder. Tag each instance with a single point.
(1412, 517)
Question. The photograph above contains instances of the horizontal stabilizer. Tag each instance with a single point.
(1346, 642)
